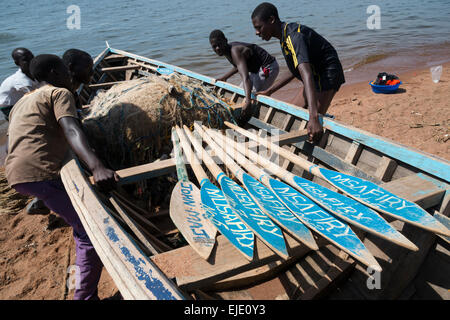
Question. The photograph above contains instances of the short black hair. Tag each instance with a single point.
(74, 56)
(264, 11)
(19, 52)
(42, 64)
(217, 34)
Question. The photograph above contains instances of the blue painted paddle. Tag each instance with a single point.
(186, 209)
(359, 189)
(333, 229)
(216, 207)
(344, 208)
(264, 197)
(241, 202)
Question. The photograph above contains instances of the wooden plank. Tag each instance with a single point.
(119, 68)
(291, 137)
(269, 115)
(145, 171)
(131, 224)
(386, 169)
(353, 153)
(134, 268)
(104, 84)
(193, 272)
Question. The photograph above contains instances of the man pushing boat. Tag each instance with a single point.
(309, 57)
(257, 68)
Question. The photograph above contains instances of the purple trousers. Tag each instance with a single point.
(89, 266)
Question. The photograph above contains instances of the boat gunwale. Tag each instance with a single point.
(428, 163)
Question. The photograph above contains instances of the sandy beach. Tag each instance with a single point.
(35, 250)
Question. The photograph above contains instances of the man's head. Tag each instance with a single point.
(265, 20)
(80, 65)
(218, 41)
(50, 68)
(22, 58)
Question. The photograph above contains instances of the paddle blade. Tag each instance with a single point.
(278, 211)
(351, 211)
(380, 199)
(189, 217)
(325, 224)
(226, 220)
(239, 199)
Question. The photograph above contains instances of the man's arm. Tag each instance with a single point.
(239, 55)
(228, 74)
(103, 177)
(315, 129)
(287, 77)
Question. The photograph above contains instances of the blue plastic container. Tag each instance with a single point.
(383, 88)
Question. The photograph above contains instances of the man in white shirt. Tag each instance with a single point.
(17, 85)
(12, 90)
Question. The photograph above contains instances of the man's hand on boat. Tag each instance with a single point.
(267, 92)
(246, 112)
(315, 129)
(105, 178)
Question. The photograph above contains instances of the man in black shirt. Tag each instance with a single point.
(257, 68)
(309, 57)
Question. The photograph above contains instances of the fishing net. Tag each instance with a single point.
(130, 124)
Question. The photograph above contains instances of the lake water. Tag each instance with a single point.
(412, 33)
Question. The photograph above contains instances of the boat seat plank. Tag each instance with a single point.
(145, 171)
(193, 272)
(386, 169)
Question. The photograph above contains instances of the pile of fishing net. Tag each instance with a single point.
(130, 124)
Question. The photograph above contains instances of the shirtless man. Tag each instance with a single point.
(257, 68)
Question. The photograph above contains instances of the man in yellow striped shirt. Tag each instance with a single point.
(309, 57)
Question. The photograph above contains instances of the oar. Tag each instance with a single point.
(319, 220)
(186, 211)
(264, 197)
(345, 208)
(243, 204)
(216, 206)
(359, 189)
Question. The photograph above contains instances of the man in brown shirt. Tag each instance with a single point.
(44, 126)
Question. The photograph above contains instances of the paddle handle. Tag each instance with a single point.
(305, 164)
(200, 174)
(212, 166)
(181, 167)
(262, 161)
(227, 160)
(225, 142)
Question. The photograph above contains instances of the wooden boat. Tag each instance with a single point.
(144, 267)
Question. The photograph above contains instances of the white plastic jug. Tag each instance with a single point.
(436, 73)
